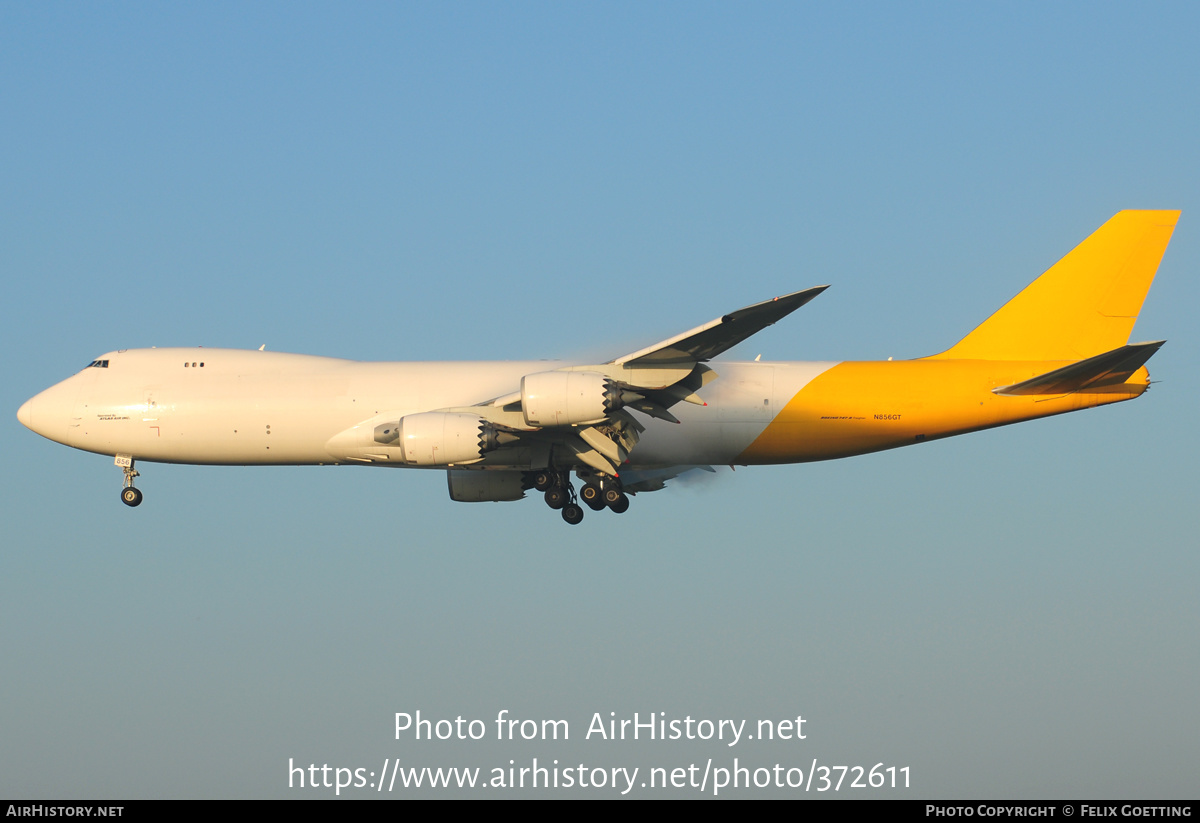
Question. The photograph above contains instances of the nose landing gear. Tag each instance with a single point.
(130, 496)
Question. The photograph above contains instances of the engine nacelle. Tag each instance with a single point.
(441, 438)
(566, 398)
(478, 486)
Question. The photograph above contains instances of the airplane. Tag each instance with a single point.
(631, 424)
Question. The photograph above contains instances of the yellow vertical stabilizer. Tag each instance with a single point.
(1086, 304)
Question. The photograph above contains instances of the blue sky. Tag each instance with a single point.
(1010, 614)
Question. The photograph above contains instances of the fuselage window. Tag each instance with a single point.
(98, 364)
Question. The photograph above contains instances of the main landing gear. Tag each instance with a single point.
(559, 494)
(598, 492)
(602, 491)
(129, 495)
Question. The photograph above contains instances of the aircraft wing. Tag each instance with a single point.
(584, 412)
(707, 341)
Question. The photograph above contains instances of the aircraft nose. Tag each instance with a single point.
(25, 413)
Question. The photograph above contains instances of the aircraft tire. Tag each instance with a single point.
(621, 505)
(572, 514)
(543, 481)
(131, 496)
(556, 497)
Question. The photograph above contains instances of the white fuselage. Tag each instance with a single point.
(234, 407)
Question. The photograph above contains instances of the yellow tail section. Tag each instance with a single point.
(1086, 304)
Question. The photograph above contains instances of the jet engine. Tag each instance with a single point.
(441, 438)
(566, 398)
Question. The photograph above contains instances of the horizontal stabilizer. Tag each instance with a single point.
(1109, 369)
(713, 338)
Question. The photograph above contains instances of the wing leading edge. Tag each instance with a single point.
(717, 336)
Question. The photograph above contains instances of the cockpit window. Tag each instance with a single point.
(98, 364)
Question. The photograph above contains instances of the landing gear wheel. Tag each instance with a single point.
(556, 498)
(129, 495)
(572, 514)
(543, 481)
(614, 496)
(592, 496)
